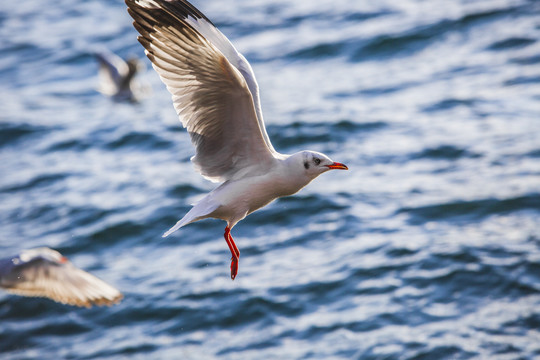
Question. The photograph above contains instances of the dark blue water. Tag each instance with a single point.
(428, 248)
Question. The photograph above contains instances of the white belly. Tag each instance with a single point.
(242, 197)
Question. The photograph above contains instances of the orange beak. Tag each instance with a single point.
(337, 166)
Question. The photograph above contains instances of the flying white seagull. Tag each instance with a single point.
(117, 78)
(43, 272)
(216, 96)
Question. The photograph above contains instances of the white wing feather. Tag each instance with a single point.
(216, 37)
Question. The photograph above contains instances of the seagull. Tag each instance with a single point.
(43, 272)
(216, 97)
(117, 77)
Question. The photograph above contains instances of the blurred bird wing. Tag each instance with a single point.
(61, 282)
(112, 71)
(210, 95)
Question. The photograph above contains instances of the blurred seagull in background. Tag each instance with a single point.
(117, 78)
(43, 272)
(216, 96)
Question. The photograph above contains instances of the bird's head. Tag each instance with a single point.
(314, 163)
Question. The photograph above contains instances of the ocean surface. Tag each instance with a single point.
(427, 248)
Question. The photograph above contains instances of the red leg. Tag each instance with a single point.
(230, 242)
(234, 252)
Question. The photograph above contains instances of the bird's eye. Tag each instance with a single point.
(317, 161)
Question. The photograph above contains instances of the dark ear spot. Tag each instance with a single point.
(306, 165)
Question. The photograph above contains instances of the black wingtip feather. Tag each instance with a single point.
(142, 29)
(144, 41)
(168, 12)
(184, 8)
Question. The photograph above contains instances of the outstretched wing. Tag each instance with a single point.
(207, 29)
(210, 93)
(59, 280)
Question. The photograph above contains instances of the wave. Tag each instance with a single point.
(13, 133)
(444, 152)
(471, 210)
(298, 134)
(450, 103)
(139, 140)
(511, 43)
(407, 42)
(289, 210)
(42, 180)
(522, 80)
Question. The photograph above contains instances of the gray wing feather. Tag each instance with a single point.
(210, 95)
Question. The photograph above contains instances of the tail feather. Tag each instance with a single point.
(200, 210)
(177, 226)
